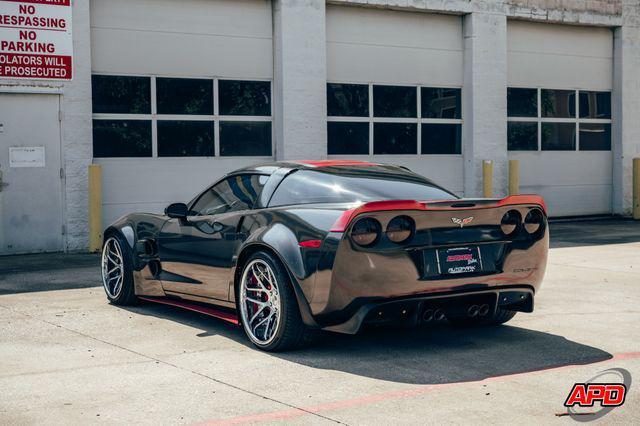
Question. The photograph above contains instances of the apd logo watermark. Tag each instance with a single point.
(603, 392)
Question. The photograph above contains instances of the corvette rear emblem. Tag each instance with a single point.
(462, 222)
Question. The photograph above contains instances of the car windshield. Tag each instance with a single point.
(308, 187)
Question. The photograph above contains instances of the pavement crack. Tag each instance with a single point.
(161, 361)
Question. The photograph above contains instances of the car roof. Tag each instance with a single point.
(344, 166)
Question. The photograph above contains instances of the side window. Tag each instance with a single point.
(232, 194)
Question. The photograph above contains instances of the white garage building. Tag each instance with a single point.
(169, 95)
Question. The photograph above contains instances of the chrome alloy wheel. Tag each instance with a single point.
(260, 302)
(112, 268)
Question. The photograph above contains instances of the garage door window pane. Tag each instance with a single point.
(121, 95)
(595, 104)
(184, 96)
(522, 136)
(394, 138)
(243, 138)
(558, 136)
(394, 101)
(121, 138)
(348, 138)
(522, 102)
(441, 139)
(440, 103)
(595, 137)
(185, 138)
(347, 100)
(244, 97)
(558, 103)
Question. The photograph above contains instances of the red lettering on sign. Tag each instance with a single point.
(35, 66)
(459, 257)
(586, 394)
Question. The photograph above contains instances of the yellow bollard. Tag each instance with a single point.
(636, 188)
(514, 177)
(487, 178)
(95, 208)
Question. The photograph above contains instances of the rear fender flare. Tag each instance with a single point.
(282, 243)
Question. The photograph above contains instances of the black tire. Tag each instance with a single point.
(500, 317)
(291, 333)
(126, 296)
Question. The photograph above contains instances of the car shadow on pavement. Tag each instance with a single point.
(579, 233)
(436, 354)
(445, 354)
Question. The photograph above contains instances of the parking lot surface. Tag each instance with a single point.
(68, 357)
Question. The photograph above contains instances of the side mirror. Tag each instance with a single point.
(177, 211)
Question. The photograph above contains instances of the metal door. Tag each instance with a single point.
(31, 183)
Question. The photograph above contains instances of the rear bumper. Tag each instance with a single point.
(350, 282)
(411, 310)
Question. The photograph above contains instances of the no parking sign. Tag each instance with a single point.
(35, 39)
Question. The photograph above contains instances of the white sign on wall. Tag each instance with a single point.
(35, 39)
(26, 156)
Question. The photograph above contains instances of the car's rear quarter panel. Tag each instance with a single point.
(281, 230)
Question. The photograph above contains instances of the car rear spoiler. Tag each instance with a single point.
(457, 204)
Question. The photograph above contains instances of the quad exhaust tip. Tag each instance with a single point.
(483, 310)
(427, 315)
(478, 310)
(472, 312)
(432, 314)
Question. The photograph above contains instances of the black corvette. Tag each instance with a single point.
(291, 247)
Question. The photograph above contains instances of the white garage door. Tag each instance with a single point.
(181, 95)
(559, 108)
(394, 90)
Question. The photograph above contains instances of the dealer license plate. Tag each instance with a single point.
(460, 260)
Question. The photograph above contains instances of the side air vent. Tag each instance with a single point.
(463, 205)
(155, 268)
(147, 246)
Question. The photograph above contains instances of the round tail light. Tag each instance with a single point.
(366, 232)
(400, 229)
(510, 221)
(533, 221)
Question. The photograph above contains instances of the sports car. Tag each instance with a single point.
(288, 248)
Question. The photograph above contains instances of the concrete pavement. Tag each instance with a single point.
(68, 357)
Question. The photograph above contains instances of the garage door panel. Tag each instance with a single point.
(370, 26)
(219, 17)
(574, 200)
(129, 52)
(559, 39)
(572, 183)
(550, 56)
(184, 39)
(554, 71)
(366, 45)
(394, 65)
(376, 46)
(138, 180)
(565, 168)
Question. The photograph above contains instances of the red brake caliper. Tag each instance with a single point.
(261, 295)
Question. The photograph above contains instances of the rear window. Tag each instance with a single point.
(308, 187)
